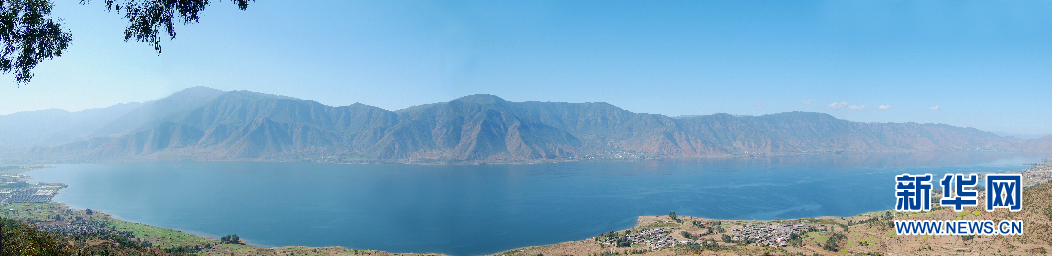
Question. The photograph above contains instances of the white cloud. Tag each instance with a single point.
(884, 107)
(808, 102)
(935, 108)
(838, 105)
(857, 107)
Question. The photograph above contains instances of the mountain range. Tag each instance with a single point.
(207, 124)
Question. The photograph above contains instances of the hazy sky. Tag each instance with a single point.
(982, 64)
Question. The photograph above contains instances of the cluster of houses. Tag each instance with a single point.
(615, 154)
(75, 227)
(774, 235)
(655, 239)
(1037, 174)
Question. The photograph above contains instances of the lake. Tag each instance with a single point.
(482, 209)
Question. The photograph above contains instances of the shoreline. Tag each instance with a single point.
(709, 231)
(257, 249)
(620, 156)
(60, 216)
(866, 233)
(40, 215)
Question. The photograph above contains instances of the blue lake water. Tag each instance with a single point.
(472, 210)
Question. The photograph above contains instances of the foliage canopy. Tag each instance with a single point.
(29, 34)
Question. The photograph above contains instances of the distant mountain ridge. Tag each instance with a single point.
(206, 124)
(23, 130)
(178, 102)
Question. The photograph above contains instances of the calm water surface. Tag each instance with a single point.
(471, 210)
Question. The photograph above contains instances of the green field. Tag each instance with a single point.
(49, 212)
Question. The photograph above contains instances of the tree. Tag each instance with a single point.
(833, 242)
(24, 239)
(30, 35)
(88, 211)
(672, 215)
(230, 239)
(687, 235)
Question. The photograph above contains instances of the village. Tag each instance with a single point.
(773, 235)
(654, 239)
(1037, 173)
(75, 227)
(15, 190)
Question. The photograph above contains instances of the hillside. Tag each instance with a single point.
(1043, 144)
(206, 124)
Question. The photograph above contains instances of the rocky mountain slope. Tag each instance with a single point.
(207, 124)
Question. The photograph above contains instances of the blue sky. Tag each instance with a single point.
(984, 64)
